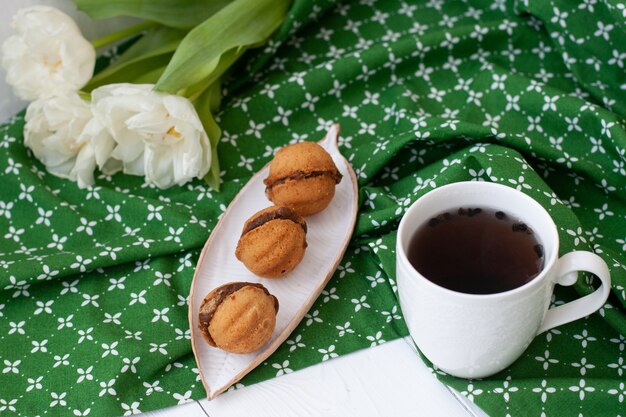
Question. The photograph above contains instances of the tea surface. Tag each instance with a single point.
(476, 251)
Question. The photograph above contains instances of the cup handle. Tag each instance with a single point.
(567, 273)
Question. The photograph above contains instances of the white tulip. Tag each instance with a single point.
(157, 135)
(48, 56)
(55, 132)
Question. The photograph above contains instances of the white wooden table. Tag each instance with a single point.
(388, 380)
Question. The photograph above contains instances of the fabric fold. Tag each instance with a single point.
(426, 93)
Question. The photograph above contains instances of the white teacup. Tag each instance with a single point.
(475, 335)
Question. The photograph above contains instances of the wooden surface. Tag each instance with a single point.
(388, 380)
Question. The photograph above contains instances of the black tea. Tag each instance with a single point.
(476, 251)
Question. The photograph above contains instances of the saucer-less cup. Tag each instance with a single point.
(476, 335)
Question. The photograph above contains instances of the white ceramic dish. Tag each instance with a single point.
(327, 237)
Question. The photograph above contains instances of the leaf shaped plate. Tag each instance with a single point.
(327, 237)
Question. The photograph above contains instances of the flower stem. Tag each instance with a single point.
(124, 33)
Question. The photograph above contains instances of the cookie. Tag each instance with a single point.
(302, 177)
(273, 242)
(238, 317)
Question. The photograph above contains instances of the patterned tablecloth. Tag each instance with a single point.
(531, 94)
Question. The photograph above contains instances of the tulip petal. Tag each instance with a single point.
(55, 131)
(48, 56)
(157, 135)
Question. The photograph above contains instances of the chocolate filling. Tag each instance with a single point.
(280, 213)
(299, 175)
(207, 313)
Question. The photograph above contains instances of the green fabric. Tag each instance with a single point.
(93, 315)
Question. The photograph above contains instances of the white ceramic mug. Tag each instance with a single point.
(476, 335)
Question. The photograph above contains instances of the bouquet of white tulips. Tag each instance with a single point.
(150, 113)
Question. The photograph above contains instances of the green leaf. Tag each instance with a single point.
(182, 14)
(123, 34)
(213, 177)
(153, 42)
(206, 105)
(130, 72)
(226, 60)
(150, 53)
(241, 24)
(149, 77)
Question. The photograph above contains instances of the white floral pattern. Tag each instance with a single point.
(427, 93)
